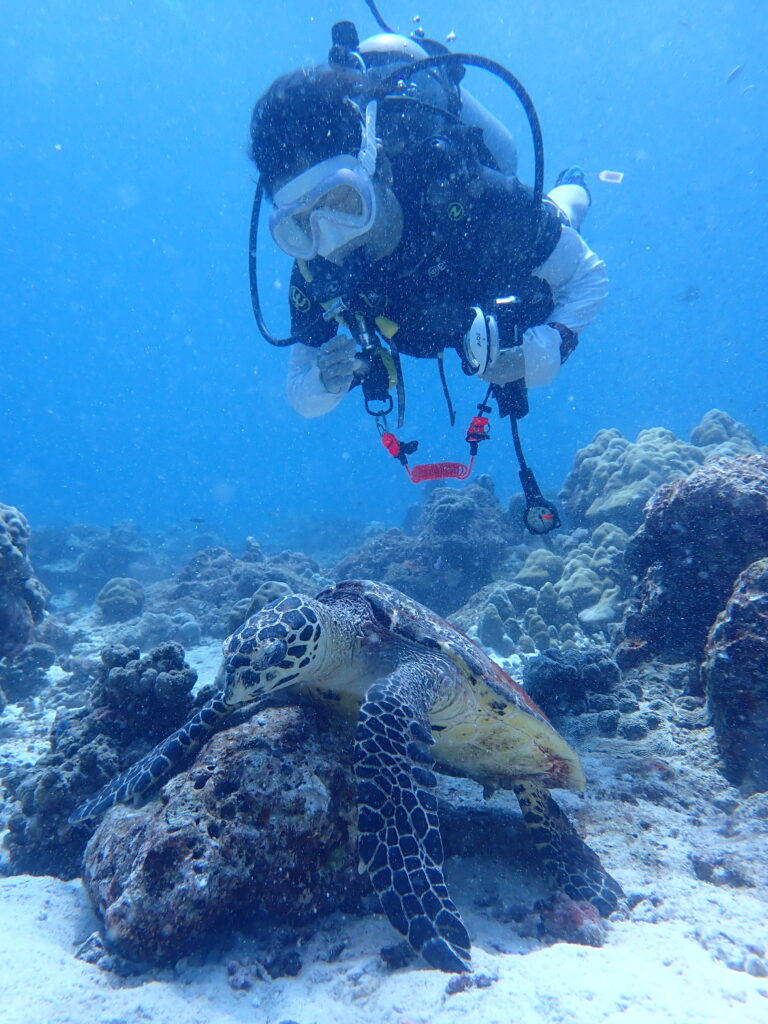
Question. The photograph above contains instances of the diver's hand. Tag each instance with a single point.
(336, 363)
(508, 365)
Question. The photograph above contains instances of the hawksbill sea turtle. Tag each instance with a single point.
(424, 696)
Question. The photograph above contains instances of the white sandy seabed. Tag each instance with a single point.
(645, 973)
(668, 964)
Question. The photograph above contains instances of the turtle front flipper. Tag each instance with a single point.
(159, 764)
(400, 845)
(572, 866)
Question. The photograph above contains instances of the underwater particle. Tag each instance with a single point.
(611, 177)
(451, 37)
(734, 73)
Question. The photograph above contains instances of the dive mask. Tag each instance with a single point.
(330, 204)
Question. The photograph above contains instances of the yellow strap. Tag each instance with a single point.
(389, 365)
(386, 327)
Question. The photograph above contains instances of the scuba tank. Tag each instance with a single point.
(387, 51)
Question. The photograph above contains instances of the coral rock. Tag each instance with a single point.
(121, 598)
(735, 674)
(540, 567)
(22, 595)
(462, 538)
(83, 558)
(25, 674)
(612, 477)
(215, 581)
(261, 828)
(697, 535)
(561, 682)
(134, 703)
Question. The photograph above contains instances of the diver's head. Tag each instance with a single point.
(313, 139)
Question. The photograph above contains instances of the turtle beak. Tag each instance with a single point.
(248, 675)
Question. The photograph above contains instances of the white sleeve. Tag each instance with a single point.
(579, 286)
(305, 388)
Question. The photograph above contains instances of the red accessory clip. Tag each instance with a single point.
(477, 431)
(392, 445)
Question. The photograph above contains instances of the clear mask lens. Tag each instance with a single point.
(329, 204)
(330, 212)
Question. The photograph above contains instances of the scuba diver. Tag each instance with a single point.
(394, 191)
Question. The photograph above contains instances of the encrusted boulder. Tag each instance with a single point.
(22, 595)
(260, 829)
(735, 675)
(698, 534)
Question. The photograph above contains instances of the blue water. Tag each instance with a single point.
(134, 383)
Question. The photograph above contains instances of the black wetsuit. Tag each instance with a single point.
(471, 235)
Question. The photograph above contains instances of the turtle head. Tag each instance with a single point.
(273, 649)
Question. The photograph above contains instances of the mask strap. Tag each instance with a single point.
(367, 154)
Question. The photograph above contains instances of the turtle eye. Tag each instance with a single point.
(270, 654)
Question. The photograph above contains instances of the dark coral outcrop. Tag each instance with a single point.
(698, 533)
(22, 595)
(260, 829)
(572, 682)
(26, 674)
(81, 559)
(216, 581)
(461, 539)
(140, 697)
(134, 703)
(735, 676)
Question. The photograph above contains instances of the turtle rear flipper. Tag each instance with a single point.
(573, 867)
(400, 845)
(159, 764)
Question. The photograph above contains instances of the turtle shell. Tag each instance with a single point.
(487, 727)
